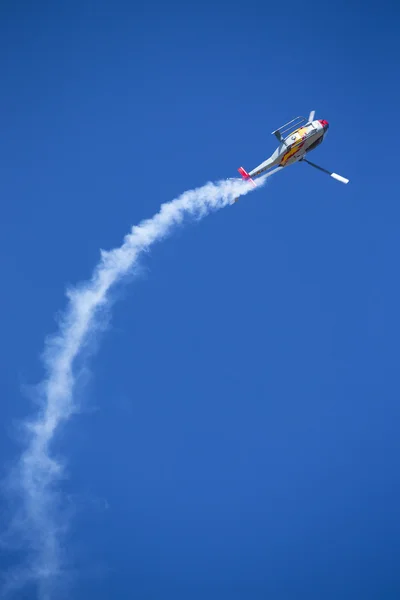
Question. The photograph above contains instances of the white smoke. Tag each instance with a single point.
(39, 522)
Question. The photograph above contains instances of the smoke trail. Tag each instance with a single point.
(40, 521)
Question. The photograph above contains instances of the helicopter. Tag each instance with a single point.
(296, 138)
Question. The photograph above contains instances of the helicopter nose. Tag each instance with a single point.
(324, 124)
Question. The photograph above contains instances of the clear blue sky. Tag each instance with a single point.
(239, 437)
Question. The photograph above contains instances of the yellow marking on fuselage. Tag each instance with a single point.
(291, 152)
(295, 145)
(302, 131)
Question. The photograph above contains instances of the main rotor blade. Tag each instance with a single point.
(311, 116)
(334, 175)
(339, 178)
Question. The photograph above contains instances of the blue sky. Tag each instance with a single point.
(238, 434)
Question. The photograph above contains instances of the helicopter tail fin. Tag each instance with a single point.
(245, 175)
